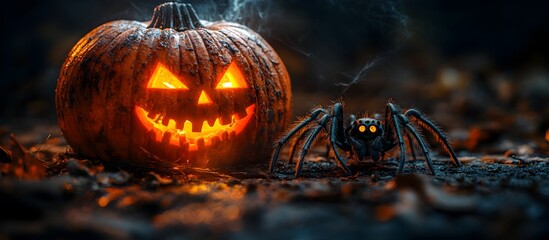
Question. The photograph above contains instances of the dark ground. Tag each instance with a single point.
(46, 192)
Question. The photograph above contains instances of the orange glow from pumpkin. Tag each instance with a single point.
(162, 78)
(232, 78)
(208, 134)
(204, 99)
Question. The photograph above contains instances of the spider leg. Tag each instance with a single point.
(337, 129)
(335, 134)
(339, 157)
(424, 148)
(391, 115)
(411, 144)
(314, 114)
(309, 142)
(296, 143)
(422, 121)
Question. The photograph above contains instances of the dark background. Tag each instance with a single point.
(464, 63)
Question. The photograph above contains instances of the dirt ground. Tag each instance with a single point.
(46, 192)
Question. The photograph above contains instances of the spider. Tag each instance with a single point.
(364, 136)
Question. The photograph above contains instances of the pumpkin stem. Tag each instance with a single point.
(179, 16)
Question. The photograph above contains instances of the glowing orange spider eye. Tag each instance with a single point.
(232, 79)
(162, 78)
(373, 129)
(362, 128)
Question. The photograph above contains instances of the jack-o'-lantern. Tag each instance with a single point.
(175, 89)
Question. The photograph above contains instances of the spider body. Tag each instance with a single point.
(363, 137)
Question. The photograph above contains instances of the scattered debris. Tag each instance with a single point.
(18, 162)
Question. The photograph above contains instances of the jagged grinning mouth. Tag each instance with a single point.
(185, 137)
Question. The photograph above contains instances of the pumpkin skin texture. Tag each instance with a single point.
(175, 89)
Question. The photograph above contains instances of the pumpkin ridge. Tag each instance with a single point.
(99, 47)
(219, 46)
(134, 87)
(249, 54)
(245, 56)
(190, 40)
(203, 59)
(185, 57)
(265, 62)
(85, 48)
(202, 55)
(77, 53)
(84, 44)
(114, 47)
(213, 50)
(125, 53)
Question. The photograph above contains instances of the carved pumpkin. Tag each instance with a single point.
(173, 89)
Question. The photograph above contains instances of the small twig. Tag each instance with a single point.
(150, 154)
(172, 169)
(207, 172)
(45, 142)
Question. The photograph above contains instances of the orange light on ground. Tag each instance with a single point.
(103, 201)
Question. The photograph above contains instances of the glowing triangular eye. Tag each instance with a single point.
(162, 78)
(232, 78)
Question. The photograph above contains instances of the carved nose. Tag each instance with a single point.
(204, 99)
